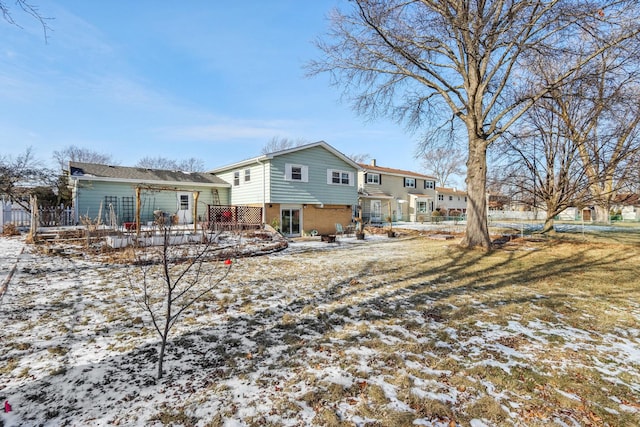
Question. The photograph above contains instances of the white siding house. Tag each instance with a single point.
(399, 194)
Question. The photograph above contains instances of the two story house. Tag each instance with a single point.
(394, 193)
(301, 189)
(451, 201)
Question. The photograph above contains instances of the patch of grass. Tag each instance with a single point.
(487, 408)
(9, 365)
(174, 417)
(58, 350)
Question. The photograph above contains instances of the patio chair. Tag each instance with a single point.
(339, 229)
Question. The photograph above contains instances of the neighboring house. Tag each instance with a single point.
(399, 194)
(305, 188)
(451, 201)
(127, 194)
(628, 205)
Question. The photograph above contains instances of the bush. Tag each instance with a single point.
(10, 230)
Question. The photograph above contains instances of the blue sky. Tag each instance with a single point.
(215, 80)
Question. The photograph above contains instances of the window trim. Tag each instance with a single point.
(373, 175)
(407, 180)
(236, 178)
(342, 175)
(288, 172)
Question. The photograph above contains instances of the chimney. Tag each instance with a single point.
(373, 162)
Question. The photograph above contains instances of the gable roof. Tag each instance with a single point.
(390, 171)
(270, 156)
(448, 190)
(99, 172)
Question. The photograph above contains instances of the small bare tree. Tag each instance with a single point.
(20, 174)
(78, 154)
(279, 144)
(174, 277)
(191, 164)
(541, 164)
(443, 163)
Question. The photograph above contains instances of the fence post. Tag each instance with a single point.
(3, 214)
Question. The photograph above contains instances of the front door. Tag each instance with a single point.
(291, 221)
(185, 214)
(376, 210)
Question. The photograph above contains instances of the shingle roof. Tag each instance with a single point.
(448, 190)
(79, 169)
(392, 171)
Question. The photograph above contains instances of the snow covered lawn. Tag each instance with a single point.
(386, 332)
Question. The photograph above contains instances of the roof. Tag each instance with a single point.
(270, 156)
(142, 175)
(447, 190)
(391, 171)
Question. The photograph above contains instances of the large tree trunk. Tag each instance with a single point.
(477, 227)
(602, 214)
(548, 226)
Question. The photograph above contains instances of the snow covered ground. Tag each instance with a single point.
(312, 335)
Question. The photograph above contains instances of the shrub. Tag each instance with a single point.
(10, 230)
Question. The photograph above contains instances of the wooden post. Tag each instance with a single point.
(35, 218)
(138, 204)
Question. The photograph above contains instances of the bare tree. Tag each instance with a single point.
(607, 132)
(27, 8)
(360, 157)
(173, 278)
(443, 163)
(279, 144)
(189, 165)
(541, 164)
(417, 60)
(73, 153)
(18, 175)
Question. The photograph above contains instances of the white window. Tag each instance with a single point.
(429, 184)
(373, 178)
(410, 182)
(236, 178)
(422, 207)
(296, 173)
(440, 197)
(450, 198)
(247, 175)
(184, 202)
(338, 177)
